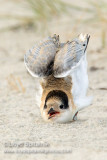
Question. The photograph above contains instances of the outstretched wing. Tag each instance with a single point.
(70, 55)
(39, 60)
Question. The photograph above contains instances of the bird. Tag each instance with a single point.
(62, 72)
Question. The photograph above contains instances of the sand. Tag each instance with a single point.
(21, 127)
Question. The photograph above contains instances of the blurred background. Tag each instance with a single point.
(67, 18)
(22, 24)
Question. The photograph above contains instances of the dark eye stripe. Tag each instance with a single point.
(45, 106)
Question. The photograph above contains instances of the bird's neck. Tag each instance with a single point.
(63, 84)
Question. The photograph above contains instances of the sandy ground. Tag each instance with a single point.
(20, 119)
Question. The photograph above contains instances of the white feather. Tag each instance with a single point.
(80, 85)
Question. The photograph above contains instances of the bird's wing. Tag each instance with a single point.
(70, 55)
(39, 59)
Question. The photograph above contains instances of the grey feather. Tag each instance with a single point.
(69, 56)
(39, 59)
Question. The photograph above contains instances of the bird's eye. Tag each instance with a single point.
(45, 106)
(61, 106)
(83, 44)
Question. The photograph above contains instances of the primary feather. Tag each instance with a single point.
(39, 60)
(70, 55)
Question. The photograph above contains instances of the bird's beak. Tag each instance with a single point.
(52, 113)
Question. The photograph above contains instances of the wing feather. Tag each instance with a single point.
(70, 56)
(39, 59)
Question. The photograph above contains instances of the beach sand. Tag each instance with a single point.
(20, 118)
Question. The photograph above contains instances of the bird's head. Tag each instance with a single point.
(57, 107)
